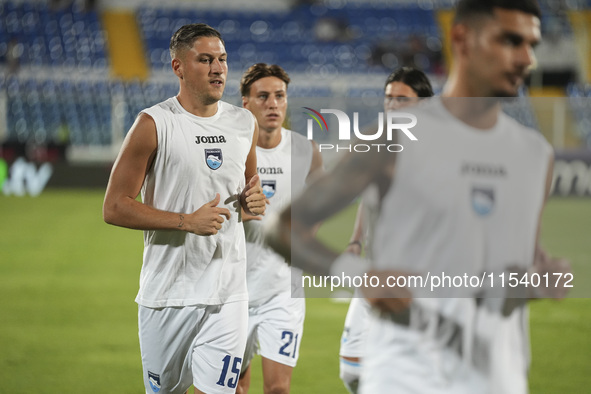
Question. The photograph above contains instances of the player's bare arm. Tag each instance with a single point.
(355, 245)
(316, 166)
(316, 170)
(543, 262)
(120, 206)
(252, 199)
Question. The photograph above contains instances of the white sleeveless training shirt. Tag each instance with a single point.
(463, 201)
(283, 171)
(196, 158)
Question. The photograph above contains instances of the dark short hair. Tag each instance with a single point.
(258, 71)
(185, 37)
(415, 78)
(466, 9)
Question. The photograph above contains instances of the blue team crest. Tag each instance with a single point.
(154, 380)
(269, 188)
(483, 200)
(214, 158)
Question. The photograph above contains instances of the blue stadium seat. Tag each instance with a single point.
(53, 37)
(72, 37)
(272, 36)
(580, 102)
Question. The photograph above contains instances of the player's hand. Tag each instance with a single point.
(208, 219)
(253, 198)
(385, 298)
(354, 248)
(545, 264)
(246, 216)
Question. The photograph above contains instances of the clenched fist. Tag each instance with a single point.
(252, 197)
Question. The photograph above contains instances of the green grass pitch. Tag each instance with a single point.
(69, 322)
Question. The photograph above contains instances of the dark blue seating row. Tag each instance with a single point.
(32, 33)
(304, 39)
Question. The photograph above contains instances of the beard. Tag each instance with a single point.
(501, 93)
(209, 98)
(506, 93)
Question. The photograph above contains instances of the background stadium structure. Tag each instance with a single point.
(78, 72)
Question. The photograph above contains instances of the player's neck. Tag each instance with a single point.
(468, 104)
(269, 139)
(460, 84)
(477, 112)
(196, 107)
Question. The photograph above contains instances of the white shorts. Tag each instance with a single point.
(199, 345)
(356, 326)
(404, 359)
(275, 329)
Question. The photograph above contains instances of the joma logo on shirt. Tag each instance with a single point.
(483, 169)
(270, 170)
(210, 140)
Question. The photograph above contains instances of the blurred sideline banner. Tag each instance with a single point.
(28, 170)
(572, 173)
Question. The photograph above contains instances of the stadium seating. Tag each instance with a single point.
(305, 39)
(580, 102)
(64, 37)
(64, 91)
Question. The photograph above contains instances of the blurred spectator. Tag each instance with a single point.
(89, 5)
(412, 52)
(331, 29)
(14, 52)
(59, 4)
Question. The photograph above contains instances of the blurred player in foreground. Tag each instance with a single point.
(404, 87)
(285, 161)
(193, 158)
(463, 200)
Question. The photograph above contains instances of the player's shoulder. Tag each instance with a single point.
(294, 135)
(157, 114)
(426, 111)
(161, 107)
(526, 134)
(426, 106)
(298, 141)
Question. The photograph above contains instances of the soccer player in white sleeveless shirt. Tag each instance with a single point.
(285, 160)
(466, 198)
(193, 157)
